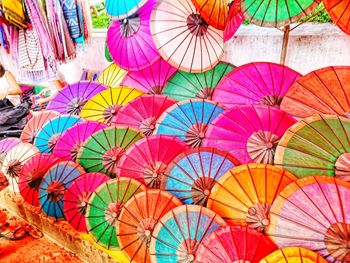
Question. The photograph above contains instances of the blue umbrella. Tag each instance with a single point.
(120, 9)
(188, 120)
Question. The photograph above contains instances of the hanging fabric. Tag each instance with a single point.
(70, 12)
(14, 14)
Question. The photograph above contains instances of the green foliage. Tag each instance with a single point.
(100, 21)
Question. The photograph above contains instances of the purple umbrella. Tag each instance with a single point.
(6, 145)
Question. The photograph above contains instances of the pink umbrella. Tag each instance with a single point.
(130, 41)
(150, 80)
(234, 20)
(68, 145)
(143, 112)
(249, 133)
(255, 83)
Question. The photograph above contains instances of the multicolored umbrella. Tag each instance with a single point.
(192, 174)
(130, 41)
(68, 145)
(54, 185)
(104, 208)
(188, 120)
(102, 151)
(47, 137)
(14, 161)
(31, 175)
(184, 85)
(183, 38)
(234, 20)
(339, 11)
(277, 14)
(147, 160)
(76, 198)
(293, 255)
(326, 90)
(313, 213)
(249, 133)
(143, 112)
(119, 9)
(179, 232)
(35, 124)
(72, 98)
(244, 195)
(255, 83)
(104, 106)
(5, 146)
(150, 80)
(317, 145)
(112, 76)
(234, 244)
(138, 219)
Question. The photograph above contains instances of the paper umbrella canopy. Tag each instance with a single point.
(293, 255)
(111, 76)
(339, 11)
(6, 145)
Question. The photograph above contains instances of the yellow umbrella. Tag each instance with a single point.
(293, 255)
(112, 76)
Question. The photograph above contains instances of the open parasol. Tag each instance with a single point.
(317, 145)
(313, 213)
(137, 220)
(249, 133)
(234, 20)
(68, 145)
(293, 255)
(339, 11)
(188, 120)
(192, 174)
(102, 151)
(5, 146)
(183, 38)
(35, 124)
(234, 244)
(31, 175)
(76, 198)
(54, 185)
(179, 232)
(244, 195)
(255, 83)
(130, 42)
(150, 80)
(147, 160)
(112, 76)
(143, 112)
(104, 106)
(72, 98)
(104, 208)
(119, 9)
(326, 90)
(184, 85)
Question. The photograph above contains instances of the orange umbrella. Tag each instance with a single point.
(293, 255)
(339, 11)
(244, 195)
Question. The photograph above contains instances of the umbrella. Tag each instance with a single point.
(102, 151)
(31, 175)
(184, 85)
(143, 112)
(104, 208)
(147, 160)
(325, 90)
(35, 124)
(112, 76)
(183, 38)
(188, 120)
(317, 145)
(255, 83)
(5, 146)
(77, 198)
(293, 255)
(68, 145)
(249, 133)
(244, 195)
(14, 161)
(130, 42)
(104, 106)
(214, 12)
(72, 98)
(138, 219)
(179, 232)
(192, 174)
(150, 80)
(234, 244)
(339, 11)
(54, 185)
(234, 20)
(47, 137)
(277, 14)
(119, 9)
(313, 213)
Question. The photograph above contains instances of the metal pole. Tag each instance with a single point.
(286, 31)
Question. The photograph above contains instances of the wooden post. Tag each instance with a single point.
(286, 31)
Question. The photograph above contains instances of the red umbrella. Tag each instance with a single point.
(234, 20)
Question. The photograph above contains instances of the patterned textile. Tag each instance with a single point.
(70, 13)
(14, 13)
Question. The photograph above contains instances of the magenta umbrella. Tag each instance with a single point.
(234, 20)
(130, 41)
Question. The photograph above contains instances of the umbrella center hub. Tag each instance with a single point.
(53, 140)
(337, 241)
(197, 25)
(147, 126)
(157, 89)
(342, 167)
(201, 190)
(110, 159)
(187, 250)
(261, 146)
(75, 106)
(83, 202)
(195, 134)
(154, 174)
(34, 180)
(257, 216)
(110, 112)
(206, 93)
(112, 212)
(14, 168)
(145, 228)
(32, 135)
(55, 191)
(272, 100)
(74, 151)
(130, 25)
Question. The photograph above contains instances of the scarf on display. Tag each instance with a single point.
(70, 12)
